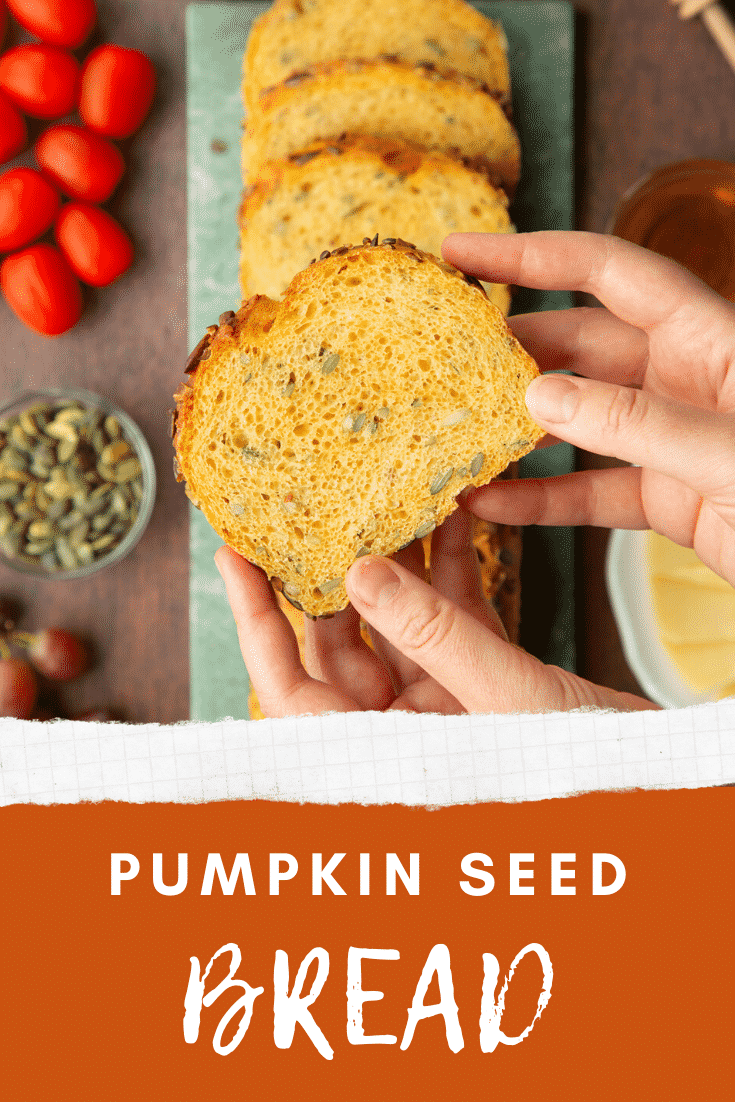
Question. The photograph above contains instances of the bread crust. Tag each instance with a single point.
(294, 34)
(345, 445)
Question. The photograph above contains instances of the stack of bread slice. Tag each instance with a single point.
(378, 116)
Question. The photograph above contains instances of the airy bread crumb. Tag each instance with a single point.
(346, 419)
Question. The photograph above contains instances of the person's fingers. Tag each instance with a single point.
(269, 646)
(483, 672)
(588, 341)
(640, 287)
(455, 569)
(334, 652)
(402, 670)
(695, 446)
(601, 498)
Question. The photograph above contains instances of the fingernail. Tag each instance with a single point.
(374, 582)
(553, 398)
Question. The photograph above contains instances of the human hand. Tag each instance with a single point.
(438, 648)
(657, 389)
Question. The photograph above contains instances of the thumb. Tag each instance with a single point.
(481, 670)
(692, 445)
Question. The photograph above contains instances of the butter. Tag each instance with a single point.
(695, 614)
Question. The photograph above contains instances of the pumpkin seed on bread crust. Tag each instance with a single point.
(302, 471)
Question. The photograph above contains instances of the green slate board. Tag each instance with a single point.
(540, 37)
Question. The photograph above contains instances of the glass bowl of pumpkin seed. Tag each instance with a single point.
(77, 483)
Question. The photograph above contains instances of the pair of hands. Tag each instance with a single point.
(654, 386)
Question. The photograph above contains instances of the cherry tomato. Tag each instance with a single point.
(58, 22)
(13, 132)
(96, 247)
(41, 80)
(117, 90)
(3, 21)
(28, 206)
(80, 163)
(56, 653)
(18, 688)
(41, 289)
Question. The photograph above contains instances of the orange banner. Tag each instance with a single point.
(574, 949)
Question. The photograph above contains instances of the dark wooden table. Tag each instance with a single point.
(649, 90)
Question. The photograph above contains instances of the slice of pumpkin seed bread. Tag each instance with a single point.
(343, 191)
(345, 419)
(294, 34)
(383, 99)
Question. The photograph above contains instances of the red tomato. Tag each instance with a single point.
(42, 80)
(116, 91)
(59, 22)
(3, 21)
(28, 206)
(96, 247)
(80, 163)
(41, 289)
(13, 133)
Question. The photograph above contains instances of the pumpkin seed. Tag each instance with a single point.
(237, 509)
(60, 430)
(330, 363)
(38, 547)
(127, 469)
(118, 503)
(21, 439)
(78, 534)
(113, 453)
(441, 480)
(64, 553)
(362, 551)
(102, 521)
(40, 529)
(71, 415)
(12, 460)
(476, 464)
(329, 586)
(69, 520)
(424, 529)
(102, 542)
(462, 472)
(25, 510)
(28, 423)
(358, 422)
(66, 450)
(455, 418)
(10, 543)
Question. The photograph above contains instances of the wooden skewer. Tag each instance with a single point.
(716, 20)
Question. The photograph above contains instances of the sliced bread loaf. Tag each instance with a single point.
(294, 34)
(383, 99)
(347, 190)
(346, 419)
